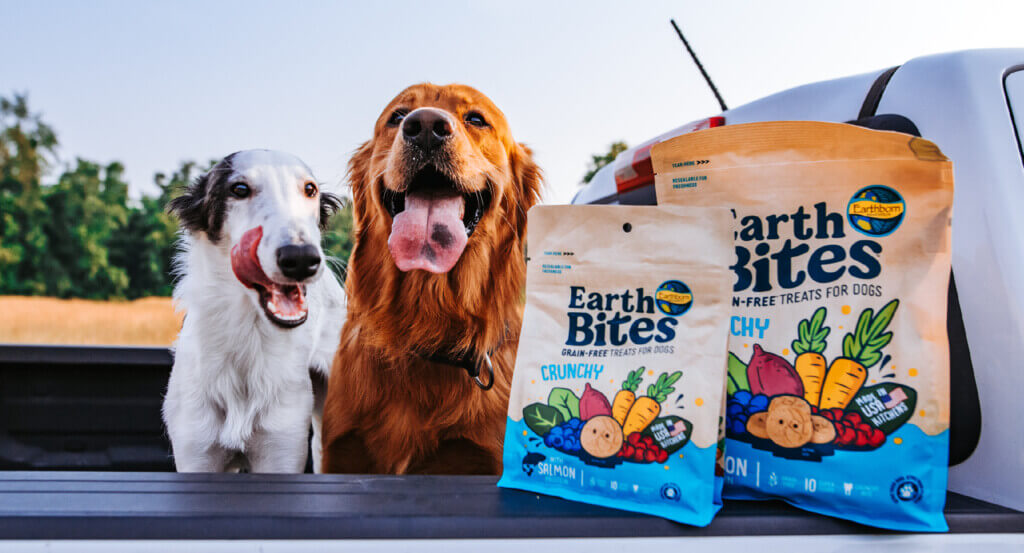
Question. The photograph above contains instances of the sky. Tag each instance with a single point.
(152, 84)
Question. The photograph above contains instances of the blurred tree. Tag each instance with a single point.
(599, 161)
(27, 149)
(87, 209)
(337, 239)
(145, 247)
(81, 236)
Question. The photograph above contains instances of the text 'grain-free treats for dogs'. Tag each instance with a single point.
(619, 382)
(838, 380)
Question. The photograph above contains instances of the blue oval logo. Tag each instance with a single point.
(673, 298)
(876, 210)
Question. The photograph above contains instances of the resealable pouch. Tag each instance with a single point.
(838, 378)
(618, 390)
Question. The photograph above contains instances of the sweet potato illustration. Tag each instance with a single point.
(772, 375)
(593, 404)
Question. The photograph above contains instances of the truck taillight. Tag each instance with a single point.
(639, 171)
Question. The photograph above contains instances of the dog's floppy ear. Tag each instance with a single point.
(190, 206)
(330, 203)
(201, 207)
(528, 179)
(358, 180)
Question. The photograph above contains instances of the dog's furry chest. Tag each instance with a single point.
(234, 371)
(243, 385)
(416, 415)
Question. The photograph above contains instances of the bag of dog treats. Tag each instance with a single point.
(619, 384)
(838, 378)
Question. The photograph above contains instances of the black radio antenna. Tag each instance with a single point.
(714, 89)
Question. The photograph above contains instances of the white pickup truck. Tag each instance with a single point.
(84, 463)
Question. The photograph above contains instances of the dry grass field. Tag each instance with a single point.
(37, 320)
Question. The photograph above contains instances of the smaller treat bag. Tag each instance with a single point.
(620, 375)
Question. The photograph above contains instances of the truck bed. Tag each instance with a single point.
(69, 412)
(165, 506)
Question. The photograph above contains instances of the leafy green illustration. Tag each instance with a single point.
(737, 375)
(864, 345)
(565, 401)
(541, 418)
(812, 333)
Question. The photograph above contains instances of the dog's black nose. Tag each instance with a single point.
(427, 128)
(298, 262)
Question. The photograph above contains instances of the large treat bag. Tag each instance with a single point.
(839, 360)
(619, 383)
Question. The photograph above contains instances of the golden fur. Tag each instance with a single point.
(389, 410)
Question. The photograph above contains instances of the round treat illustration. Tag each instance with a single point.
(757, 425)
(824, 432)
(789, 421)
(601, 437)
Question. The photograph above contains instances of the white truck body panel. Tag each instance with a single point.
(966, 114)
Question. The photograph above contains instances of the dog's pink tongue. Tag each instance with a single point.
(244, 262)
(429, 234)
(285, 301)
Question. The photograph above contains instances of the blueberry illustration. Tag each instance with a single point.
(742, 396)
(734, 409)
(758, 403)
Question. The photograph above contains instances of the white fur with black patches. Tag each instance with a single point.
(240, 393)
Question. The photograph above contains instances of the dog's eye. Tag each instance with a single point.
(240, 190)
(475, 119)
(310, 190)
(397, 116)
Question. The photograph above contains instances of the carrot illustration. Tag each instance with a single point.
(810, 363)
(861, 350)
(646, 408)
(626, 396)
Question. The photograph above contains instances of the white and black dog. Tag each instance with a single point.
(263, 316)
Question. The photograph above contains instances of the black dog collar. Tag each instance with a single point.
(470, 362)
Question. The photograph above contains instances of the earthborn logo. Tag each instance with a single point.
(673, 298)
(876, 210)
(906, 489)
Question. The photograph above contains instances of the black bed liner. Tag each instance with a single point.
(66, 408)
(89, 505)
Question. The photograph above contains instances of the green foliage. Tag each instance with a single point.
(541, 418)
(633, 379)
(27, 150)
(812, 333)
(565, 401)
(85, 210)
(599, 161)
(864, 345)
(337, 240)
(660, 390)
(81, 236)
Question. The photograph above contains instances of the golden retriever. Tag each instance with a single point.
(435, 285)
